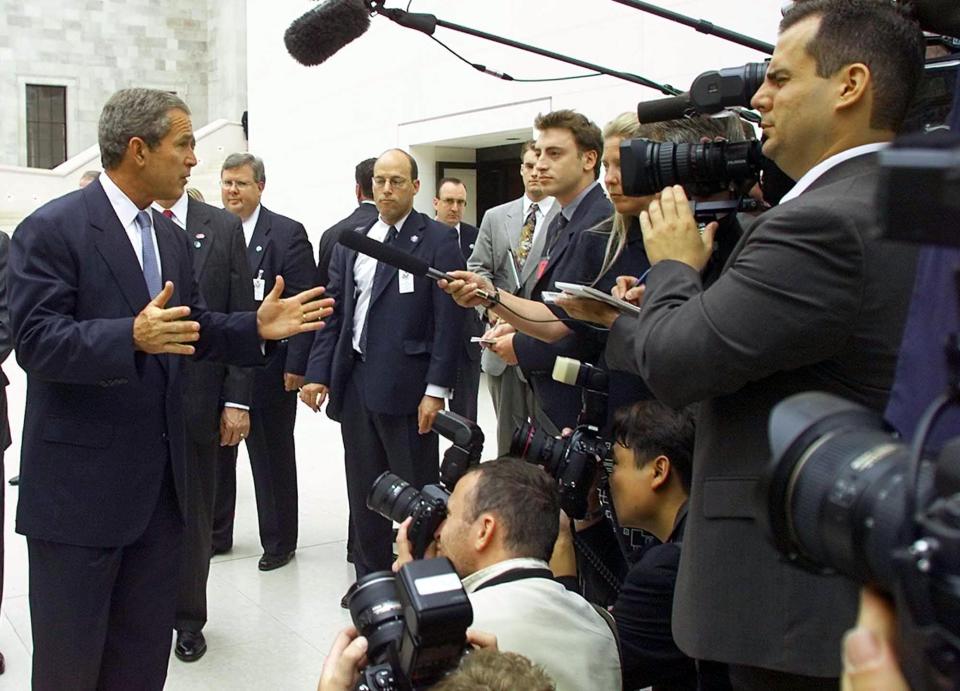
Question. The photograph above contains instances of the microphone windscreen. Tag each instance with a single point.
(321, 32)
(384, 253)
(566, 370)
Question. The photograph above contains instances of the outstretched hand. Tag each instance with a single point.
(280, 318)
(159, 329)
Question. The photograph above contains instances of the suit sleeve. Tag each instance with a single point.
(788, 300)
(50, 343)
(238, 383)
(299, 273)
(6, 341)
(481, 260)
(320, 359)
(448, 318)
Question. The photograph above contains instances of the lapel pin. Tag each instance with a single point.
(414, 238)
(197, 244)
(259, 248)
(200, 236)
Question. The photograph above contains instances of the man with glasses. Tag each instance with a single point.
(388, 355)
(276, 245)
(449, 205)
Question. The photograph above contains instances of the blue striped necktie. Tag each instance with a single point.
(151, 264)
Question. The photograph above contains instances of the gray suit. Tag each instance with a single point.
(809, 300)
(500, 232)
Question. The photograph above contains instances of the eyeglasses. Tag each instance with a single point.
(397, 183)
(241, 185)
(454, 202)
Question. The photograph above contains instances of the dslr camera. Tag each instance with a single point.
(572, 461)
(415, 624)
(394, 498)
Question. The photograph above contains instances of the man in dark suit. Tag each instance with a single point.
(809, 299)
(568, 151)
(276, 245)
(359, 219)
(448, 207)
(6, 345)
(103, 463)
(216, 401)
(389, 354)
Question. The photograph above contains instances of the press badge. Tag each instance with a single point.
(406, 282)
(258, 286)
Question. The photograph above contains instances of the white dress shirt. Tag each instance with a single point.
(826, 164)
(127, 212)
(179, 210)
(249, 225)
(364, 271)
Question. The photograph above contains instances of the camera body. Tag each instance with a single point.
(394, 498)
(415, 624)
(571, 461)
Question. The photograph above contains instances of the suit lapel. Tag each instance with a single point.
(114, 246)
(259, 241)
(198, 231)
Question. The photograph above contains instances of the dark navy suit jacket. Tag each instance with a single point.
(535, 357)
(101, 419)
(360, 219)
(413, 339)
(279, 245)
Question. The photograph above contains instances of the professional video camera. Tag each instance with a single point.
(394, 498)
(573, 460)
(415, 624)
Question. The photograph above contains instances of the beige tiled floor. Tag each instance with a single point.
(265, 630)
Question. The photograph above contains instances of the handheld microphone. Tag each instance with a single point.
(576, 373)
(389, 255)
(319, 33)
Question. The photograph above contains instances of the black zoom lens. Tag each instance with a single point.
(647, 167)
(537, 447)
(393, 497)
(834, 495)
(376, 611)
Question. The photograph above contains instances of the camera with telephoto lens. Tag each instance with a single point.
(572, 461)
(415, 624)
(394, 498)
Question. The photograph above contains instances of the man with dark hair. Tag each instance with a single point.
(388, 357)
(508, 250)
(809, 299)
(361, 217)
(500, 529)
(103, 463)
(448, 205)
(276, 245)
(216, 400)
(569, 150)
(649, 479)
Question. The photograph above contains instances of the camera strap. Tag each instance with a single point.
(515, 575)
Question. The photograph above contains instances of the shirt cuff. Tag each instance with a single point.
(239, 406)
(438, 391)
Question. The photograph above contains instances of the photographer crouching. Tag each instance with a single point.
(499, 532)
(649, 481)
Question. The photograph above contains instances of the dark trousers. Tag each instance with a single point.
(102, 616)
(273, 461)
(747, 678)
(372, 444)
(467, 387)
(198, 534)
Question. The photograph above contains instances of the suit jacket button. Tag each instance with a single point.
(164, 436)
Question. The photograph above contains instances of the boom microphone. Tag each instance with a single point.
(318, 34)
(389, 255)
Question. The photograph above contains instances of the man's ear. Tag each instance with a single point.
(661, 472)
(137, 148)
(485, 532)
(855, 85)
(590, 159)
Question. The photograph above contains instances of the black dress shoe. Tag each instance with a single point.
(191, 645)
(345, 600)
(269, 562)
(15, 480)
